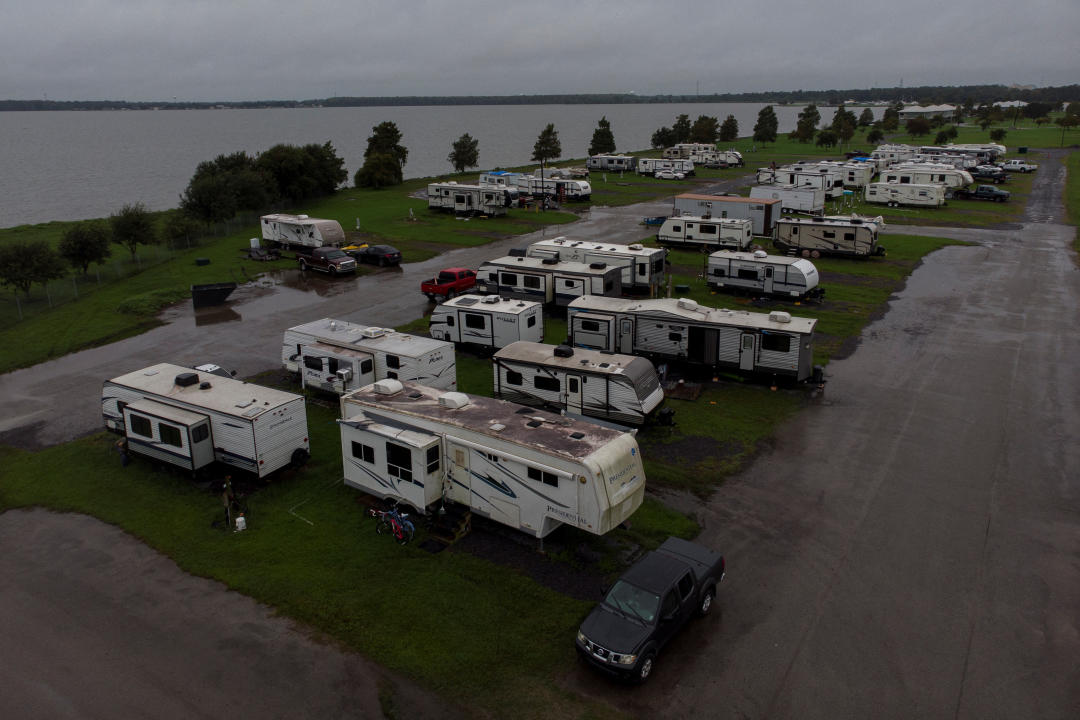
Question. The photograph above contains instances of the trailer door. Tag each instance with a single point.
(458, 479)
(626, 336)
(768, 282)
(746, 352)
(476, 327)
(701, 344)
(573, 394)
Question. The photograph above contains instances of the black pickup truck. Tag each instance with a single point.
(326, 259)
(647, 606)
(983, 192)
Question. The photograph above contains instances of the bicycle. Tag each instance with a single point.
(395, 522)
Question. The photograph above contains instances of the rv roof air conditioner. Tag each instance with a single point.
(636, 246)
(518, 252)
(550, 260)
(760, 254)
(687, 304)
(187, 379)
(373, 332)
(453, 400)
(387, 387)
(780, 316)
(491, 299)
(564, 351)
(598, 265)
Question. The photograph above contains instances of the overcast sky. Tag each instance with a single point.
(297, 49)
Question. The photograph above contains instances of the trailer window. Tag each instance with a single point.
(794, 229)
(141, 426)
(360, 451)
(708, 229)
(675, 337)
(509, 279)
(393, 361)
(531, 281)
(828, 234)
(433, 459)
(718, 272)
(513, 377)
(313, 363)
(531, 321)
(472, 320)
(398, 461)
(545, 477)
(590, 326)
(332, 365)
(544, 382)
(776, 343)
(658, 265)
(745, 274)
(366, 366)
(849, 236)
(609, 285)
(170, 435)
(493, 277)
(568, 283)
(676, 228)
(200, 433)
(641, 270)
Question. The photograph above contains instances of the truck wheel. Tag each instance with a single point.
(303, 265)
(430, 297)
(449, 294)
(645, 668)
(707, 601)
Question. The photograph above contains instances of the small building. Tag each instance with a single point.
(761, 212)
(926, 111)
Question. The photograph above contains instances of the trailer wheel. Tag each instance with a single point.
(806, 253)
(299, 457)
(815, 254)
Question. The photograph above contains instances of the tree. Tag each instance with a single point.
(603, 140)
(180, 228)
(25, 262)
(379, 170)
(663, 137)
(1072, 108)
(1038, 109)
(958, 114)
(209, 198)
(765, 128)
(844, 124)
(705, 130)
(875, 136)
(464, 153)
(997, 135)
(890, 121)
(132, 226)
(826, 138)
(917, 127)
(386, 138)
(1067, 122)
(681, 128)
(85, 243)
(941, 138)
(866, 118)
(729, 130)
(807, 124)
(301, 173)
(547, 146)
(224, 185)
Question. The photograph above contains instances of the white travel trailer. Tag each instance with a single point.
(487, 321)
(793, 198)
(829, 235)
(339, 356)
(912, 195)
(889, 155)
(925, 173)
(685, 150)
(300, 231)
(613, 163)
(174, 415)
(642, 267)
(563, 189)
(649, 166)
(682, 330)
(827, 179)
(717, 158)
(956, 160)
(502, 178)
(529, 469)
(547, 280)
(470, 199)
(763, 214)
(759, 272)
(620, 388)
(856, 174)
(714, 232)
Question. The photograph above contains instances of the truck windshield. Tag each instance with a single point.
(632, 600)
(335, 254)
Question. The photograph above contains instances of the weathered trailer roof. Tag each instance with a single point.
(491, 303)
(557, 434)
(691, 311)
(832, 221)
(223, 395)
(509, 262)
(728, 199)
(347, 334)
(764, 258)
(607, 247)
(582, 360)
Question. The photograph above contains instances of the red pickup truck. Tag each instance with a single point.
(448, 283)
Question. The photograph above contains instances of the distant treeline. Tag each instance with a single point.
(929, 94)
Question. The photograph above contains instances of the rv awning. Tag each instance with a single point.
(167, 412)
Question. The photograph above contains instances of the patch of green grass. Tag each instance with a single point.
(1072, 196)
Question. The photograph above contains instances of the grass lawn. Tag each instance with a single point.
(1072, 196)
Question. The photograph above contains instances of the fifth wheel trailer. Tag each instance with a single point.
(547, 280)
(526, 468)
(188, 419)
(642, 267)
(773, 343)
(487, 321)
(470, 199)
(854, 236)
(339, 356)
(913, 194)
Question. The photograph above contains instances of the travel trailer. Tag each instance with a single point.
(612, 163)
(911, 195)
(762, 213)
(925, 173)
(526, 468)
(685, 150)
(300, 231)
(671, 329)
(470, 199)
(620, 388)
(487, 321)
(815, 236)
(829, 180)
(889, 155)
(642, 267)
(793, 198)
(650, 166)
(338, 356)
(960, 161)
(759, 272)
(690, 231)
(191, 419)
(547, 280)
(502, 178)
(717, 158)
(562, 189)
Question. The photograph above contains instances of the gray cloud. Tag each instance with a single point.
(199, 50)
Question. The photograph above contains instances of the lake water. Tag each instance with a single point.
(74, 165)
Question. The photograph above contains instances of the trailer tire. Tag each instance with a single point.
(299, 457)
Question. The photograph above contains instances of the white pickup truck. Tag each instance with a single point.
(1017, 165)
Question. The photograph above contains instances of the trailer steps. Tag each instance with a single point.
(449, 525)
